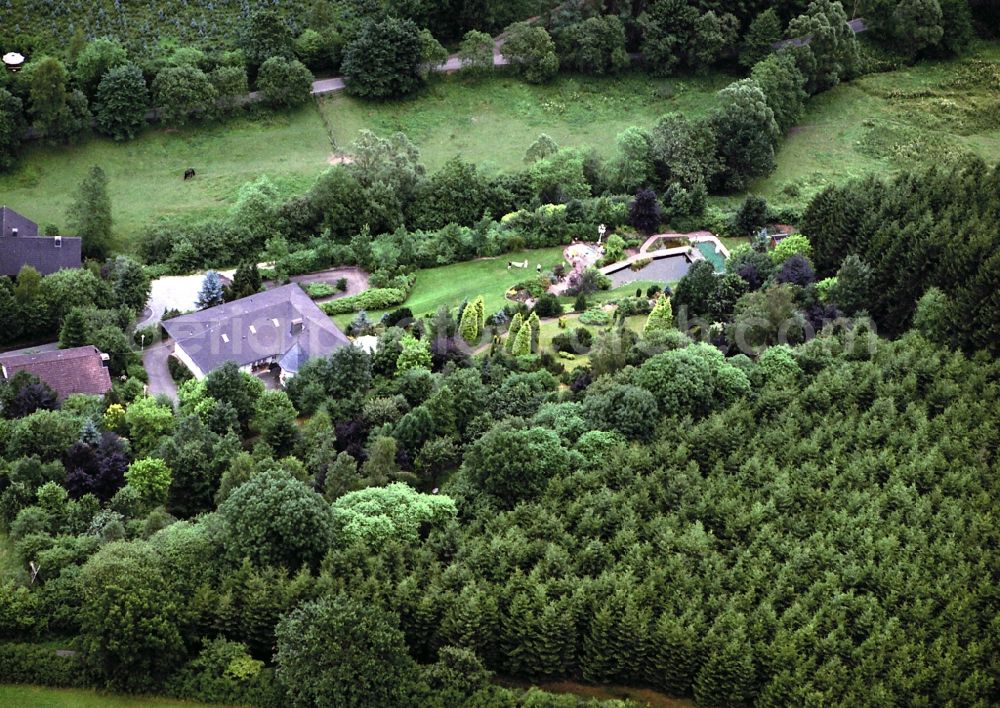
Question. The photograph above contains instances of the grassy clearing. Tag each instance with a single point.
(146, 175)
(44, 697)
(882, 123)
(493, 121)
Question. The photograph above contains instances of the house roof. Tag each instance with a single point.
(283, 323)
(66, 371)
(10, 220)
(45, 254)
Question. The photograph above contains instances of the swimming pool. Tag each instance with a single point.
(667, 269)
(707, 249)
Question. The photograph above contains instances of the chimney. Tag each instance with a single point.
(296, 325)
(13, 231)
(58, 241)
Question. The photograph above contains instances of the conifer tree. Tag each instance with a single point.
(480, 312)
(522, 342)
(661, 318)
(597, 662)
(90, 214)
(515, 326)
(75, 329)
(246, 280)
(535, 325)
(211, 291)
(469, 325)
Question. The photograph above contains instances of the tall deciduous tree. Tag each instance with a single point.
(180, 92)
(122, 102)
(783, 85)
(12, 127)
(476, 52)
(631, 167)
(98, 58)
(832, 50)
(339, 651)
(90, 214)
(745, 134)
(273, 518)
(150, 478)
(265, 35)
(762, 34)
(384, 59)
(284, 82)
(48, 99)
(130, 618)
(531, 52)
(594, 46)
(513, 465)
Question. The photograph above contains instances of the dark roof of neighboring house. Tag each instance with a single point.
(283, 323)
(46, 254)
(66, 371)
(10, 220)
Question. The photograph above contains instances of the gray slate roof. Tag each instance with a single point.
(10, 220)
(258, 327)
(66, 371)
(43, 253)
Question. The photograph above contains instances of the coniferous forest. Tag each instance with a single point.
(815, 525)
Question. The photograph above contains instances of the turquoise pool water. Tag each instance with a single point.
(716, 259)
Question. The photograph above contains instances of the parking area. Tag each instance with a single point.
(174, 292)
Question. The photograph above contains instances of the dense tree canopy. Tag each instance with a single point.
(383, 61)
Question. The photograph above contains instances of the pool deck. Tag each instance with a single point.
(693, 237)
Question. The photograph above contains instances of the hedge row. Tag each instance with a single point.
(31, 663)
(373, 299)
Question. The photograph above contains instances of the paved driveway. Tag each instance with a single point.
(154, 360)
(174, 292)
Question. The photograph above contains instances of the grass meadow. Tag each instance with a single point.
(876, 124)
(492, 121)
(145, 175)
(879, 124)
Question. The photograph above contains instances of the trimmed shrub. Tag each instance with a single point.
(178, 371)
(318, 290)
(548, 305)
(595, 317)
(374, 299)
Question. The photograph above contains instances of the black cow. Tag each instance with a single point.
(189, 173)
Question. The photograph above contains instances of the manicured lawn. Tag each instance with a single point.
(450, 285)
(493, 121)
(146, 175)
(43, 697)
(882, 123)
